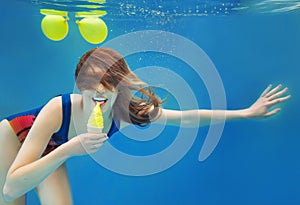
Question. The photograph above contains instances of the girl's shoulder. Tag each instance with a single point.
(69, 98)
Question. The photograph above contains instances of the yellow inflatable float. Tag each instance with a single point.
(54, 24)
(92, 29)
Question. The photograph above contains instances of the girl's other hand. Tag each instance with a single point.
(262, 107)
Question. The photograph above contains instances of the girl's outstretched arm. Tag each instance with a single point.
(29, 170)
(260, 109)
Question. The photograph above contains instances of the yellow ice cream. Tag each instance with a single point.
(96, 118)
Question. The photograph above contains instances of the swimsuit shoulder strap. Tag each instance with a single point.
(114, 127)
(66, 110)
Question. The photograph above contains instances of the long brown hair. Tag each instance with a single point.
(106, 66)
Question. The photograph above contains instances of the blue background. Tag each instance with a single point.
(256, 162)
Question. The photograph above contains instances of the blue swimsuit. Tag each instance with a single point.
(22, 123)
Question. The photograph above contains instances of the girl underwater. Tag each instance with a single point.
(35, 145)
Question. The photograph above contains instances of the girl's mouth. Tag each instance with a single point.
(100, 100)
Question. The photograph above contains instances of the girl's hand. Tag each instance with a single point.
(269, 98)
(86, 143)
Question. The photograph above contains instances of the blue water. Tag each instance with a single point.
(255, 162)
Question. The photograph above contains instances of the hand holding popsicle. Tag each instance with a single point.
(86, 143)
(90, 142)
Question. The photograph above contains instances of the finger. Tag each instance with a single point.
(273, 112)
(98, 136)
(96, 146)
(266, 90)
(92, 143)
(274, 90)
(278, 94)
(99, 144)
(278, 100)
(92, 149)
(103, 140)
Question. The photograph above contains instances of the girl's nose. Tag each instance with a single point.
(101, 89)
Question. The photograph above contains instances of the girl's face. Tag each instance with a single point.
(92, 97)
